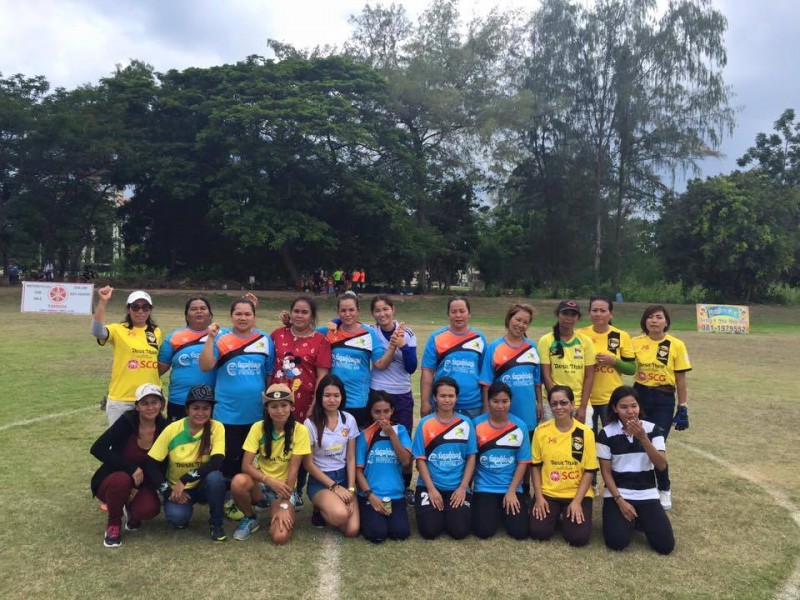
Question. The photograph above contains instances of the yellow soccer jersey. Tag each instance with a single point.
(135, 360)
(564, 458)
(181, 447)
(578, 354)
(657, 362)
(607, 379)
(277, 464)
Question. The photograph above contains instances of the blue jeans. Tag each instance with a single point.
(658, 408)
(210, 490)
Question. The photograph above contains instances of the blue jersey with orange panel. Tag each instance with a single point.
(460, 357)
(444, 447)
(518, 367)
(181, 351)
(500, 450)
(243, 365)
(375, 454)
(352, 355)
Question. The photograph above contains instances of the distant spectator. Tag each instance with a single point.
(13, 273)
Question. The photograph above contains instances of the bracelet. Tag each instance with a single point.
(366, 493)
(617, 498)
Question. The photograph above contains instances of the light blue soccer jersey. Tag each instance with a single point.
(181, 350)
(375, 454)
(499, 453)
(519, 369)
(243, 365)
(445, 448)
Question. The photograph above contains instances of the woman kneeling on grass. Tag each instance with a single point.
(382, 450)
(564, 461)
(332, 465)
(120, 481)
(444, 446)
(193, 449)
(504, 454)
(273, 451)
(630, 453)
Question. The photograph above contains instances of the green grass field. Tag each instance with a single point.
(735, 487)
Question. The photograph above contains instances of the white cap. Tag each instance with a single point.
(148, 389)
(140, 295)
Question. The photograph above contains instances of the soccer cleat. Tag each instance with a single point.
(217, 533)
(317, 520)
(409, 496)
(665, 496)
(298, 506)
(112, 538)
(232, 511)
(247, 527)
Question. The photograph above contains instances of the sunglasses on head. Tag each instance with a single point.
(140, 307)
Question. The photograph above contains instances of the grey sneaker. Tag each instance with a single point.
(247, 527)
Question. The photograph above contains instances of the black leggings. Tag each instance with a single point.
(575, 534)
(651, 518)
(455, 522)
(488, 512)
(235, 435)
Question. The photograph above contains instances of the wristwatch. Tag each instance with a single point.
(352, 490)
(284, 505)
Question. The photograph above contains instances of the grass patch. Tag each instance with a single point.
(733, 541)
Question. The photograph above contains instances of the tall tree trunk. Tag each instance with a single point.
(598, 215)
(288, 263)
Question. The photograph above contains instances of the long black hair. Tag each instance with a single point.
(376, 396)
(288, 430)
(318, 416)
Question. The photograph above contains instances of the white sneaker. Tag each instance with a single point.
(666, 499)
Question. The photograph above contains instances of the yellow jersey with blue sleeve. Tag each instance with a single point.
(658, 361)
(135, 359)
(277, 463)
(567, 369)
(564, 457)
(607, 379)
(178, 444)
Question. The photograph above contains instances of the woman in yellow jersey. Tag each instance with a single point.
(193, 449)
(568, 359)
(273, 452)
(135, 342)
(564, 461)
(661, 365)
(613, 356)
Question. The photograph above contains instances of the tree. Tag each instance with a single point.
(732, 234)
(777, 155)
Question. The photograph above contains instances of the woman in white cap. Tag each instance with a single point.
(120, 482)
(273, 452)
(135, 342)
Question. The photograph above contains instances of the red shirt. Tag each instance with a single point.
(297, 359)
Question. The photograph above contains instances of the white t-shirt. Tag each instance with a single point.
(332, 454)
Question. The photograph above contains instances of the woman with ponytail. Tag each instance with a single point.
(273, 452)
(568, 359)
(193, 449)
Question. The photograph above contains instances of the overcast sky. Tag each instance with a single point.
(78, 41)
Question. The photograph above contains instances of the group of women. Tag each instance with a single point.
(255, 415)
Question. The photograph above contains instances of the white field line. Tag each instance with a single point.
(791, 587)
(329, 568)
(25, 422)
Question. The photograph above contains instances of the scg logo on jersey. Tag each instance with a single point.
(660, 378)
(564, 475)
(134, 364)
